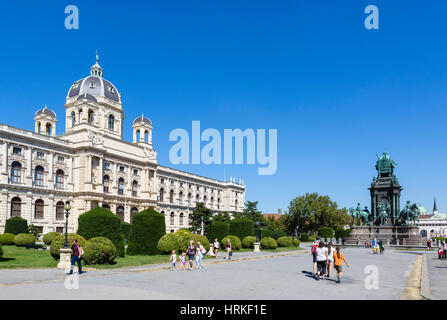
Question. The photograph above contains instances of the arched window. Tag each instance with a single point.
(171, 196)
(197, 199)
(111, 123)
(60, 179)
(60, 210)
(121, 186)
(106, 182)
(48, 129)
(189, 199)
(133, 212)
(181, 219)
(16, 172)
(172, 218)
(38, 176)
(39, 128)
(134, 188)
(120, 213)
(180, 197)
(38, 209)
(212, 202)
(218, 203)
(162, 195)
(73, 119)
(91, 116)
(204, 200)
(106, 206)
(138, 135)
(146, 137)
(16, 207)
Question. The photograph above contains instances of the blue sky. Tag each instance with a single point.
(337, 93)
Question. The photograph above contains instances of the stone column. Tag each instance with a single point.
(5, 157)
(51, 170)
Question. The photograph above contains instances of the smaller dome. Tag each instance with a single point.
(46, 111)
(142, 119)
(87, 96)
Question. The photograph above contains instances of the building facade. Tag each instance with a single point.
(91, 165)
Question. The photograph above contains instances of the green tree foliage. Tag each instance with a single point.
(58, 243)
(249, 242)
(312, 211)
(99, 250)
(7, 239)
(125, 229)
(169, 242)
(276, 234)
(326, 232)
(222, 217)
(236, 243)
(16, 225)
(251, 212)
(242, 227)
(218, 230)
(49, 237)
(285, 241)
(196, 217)
(100, 222)
(147, 229)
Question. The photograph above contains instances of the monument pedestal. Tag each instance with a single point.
(65, 259)
(392, 235)
(256, 247)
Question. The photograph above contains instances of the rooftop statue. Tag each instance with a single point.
(385, 165)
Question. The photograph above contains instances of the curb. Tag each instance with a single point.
(425, 281)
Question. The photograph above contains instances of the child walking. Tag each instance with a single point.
(173, 260)
(338, 263)
(183, 261)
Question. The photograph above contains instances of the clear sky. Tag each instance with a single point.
(337, 93)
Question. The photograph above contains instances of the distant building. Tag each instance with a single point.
(274, 215)
(432, 225)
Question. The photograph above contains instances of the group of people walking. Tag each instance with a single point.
(442, 250)
(196, 253)
(325, 258)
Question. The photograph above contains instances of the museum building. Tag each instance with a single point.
(91, 165)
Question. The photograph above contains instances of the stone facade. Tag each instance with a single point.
(91, 165)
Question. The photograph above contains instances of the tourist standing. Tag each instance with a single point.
(338, 263)
(428, 244)
(228, 250)
(381, 248)
(444, 249)
(173, 260)
(315, 245)
(199, 256)
(321, 260)
(216, 246)
(77, 254)
(191, 254)
(330, 259)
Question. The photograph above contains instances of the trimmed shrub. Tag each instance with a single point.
(49, 237)
(16, 225)
(58, 243)
(24, 240)
(312, 237)
(276, 234)
(125, 229)
(249, 242)
(304, 237)
(169, 242)
(236, 243)
(7, 239)
(99, 250)
(265, 233)
(285, 242)
(218, 230)
(326, 233)
(296, 243)
(242, 227)
(100, 222)
(148, 227)
(196, 238)
(269, 243)
(1, 253)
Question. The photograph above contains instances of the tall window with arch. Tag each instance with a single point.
(60, 210)
(120, 213)
(106, 183)
(111, 123)
(16, 172)
(16, 207)
(133, 212)
(38, 209)
(134, 188)
(137, 134)
(38, 176)
(172, 218)
(180, 197)
(91, 116)
(49, 128)
(39, 128)
(171, 196)
(146, 137)
(162, 195)
(60, 179)
(73, 119)
(181, 219)
(121, 186)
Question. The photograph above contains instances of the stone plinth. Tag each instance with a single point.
(394, 235)
(65, 259)
(256, 247)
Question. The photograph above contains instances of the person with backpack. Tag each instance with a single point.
(321, 257)
(314, 255)
(77, 254)
(191, 252)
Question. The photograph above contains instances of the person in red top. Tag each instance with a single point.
(315, 245)
(77, 249)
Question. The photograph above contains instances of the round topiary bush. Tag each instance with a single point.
(296, 243)
(100, 222)
(285, 242)
(236, 243)
(304, 237)
(125, 230)
(169, 242)
(49, 237)
(183, 232)
(7, 239)
(276, 234)
(16, 225)
(196, 238)
(99, 250)
(249, 242)
(242, 227)
(58, 243)
(269, 243)
(326, 233)
(218, 230)
(148, 227)
(24, 240)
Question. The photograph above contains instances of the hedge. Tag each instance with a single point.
(285, 242)
(24, 240)
(296, 243)
(249, 242)
(49, 237)
(100, 222)
(1, 253)
(99, 250)
(16, 225)
(218, 230)
(242, 227)
(276, 234)
(236, 243)
(7, 239)
(148, 227)
(304, 237)
(265, 233)
(58, 243)
(169, 242)
(326, 232)
(269, 243)
(125, 229)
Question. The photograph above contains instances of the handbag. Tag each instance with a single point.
(231, 253)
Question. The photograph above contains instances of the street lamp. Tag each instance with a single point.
(256, 244)
(67, 208)
(201, 228)
(257, 227)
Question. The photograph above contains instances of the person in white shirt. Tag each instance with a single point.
(173, 260)
(321, 257)
(330, 259)
(216, 247)
(199, 256)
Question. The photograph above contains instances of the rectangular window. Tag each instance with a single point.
(122, 169)
(40, 155)
(60, 159)
(106, 165)
(60, 229)
(135, 172)
(16, 150)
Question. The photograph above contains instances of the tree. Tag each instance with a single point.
(251, 212)
(196, 217)
(222, 217)
(312, 211)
